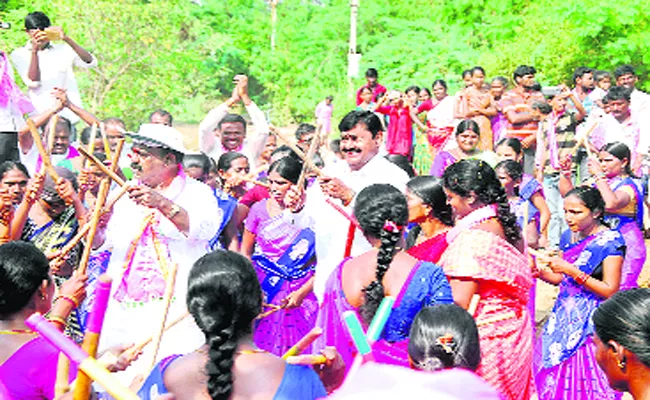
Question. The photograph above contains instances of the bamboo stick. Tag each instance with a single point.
(45, 158)
(310, 155)
(473, 304)
(91, 143)
(167, 300)
(111, 174)
(97, 213)
(256, 182)
(303, 343)
(300, 154)
(138, 347)
(62, 383)
(107, 147)
(52, 132)
(118, 153)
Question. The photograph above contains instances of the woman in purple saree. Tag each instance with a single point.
(588, 273)
(282, 252)
(359, 284)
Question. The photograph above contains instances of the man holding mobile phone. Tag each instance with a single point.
(44, 65)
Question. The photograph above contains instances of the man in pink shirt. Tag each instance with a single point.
(377, 90)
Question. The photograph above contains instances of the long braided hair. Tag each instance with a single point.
(475, 177)
(224, 297)
(382, 213)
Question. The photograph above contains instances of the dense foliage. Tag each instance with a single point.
(181, 54)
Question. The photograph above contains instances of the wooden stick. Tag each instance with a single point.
(84, 230)
(583, 140)
(91, 144)
(116, 157)
(138, 347)
(101, 166)
(271, 311)
(310, 154)
(300, 154)
(167, 300)
(97, 213)
(91, 338)
(107, 147)
(62, 383)
(303, 343)
(256, 182)
(50, 136)
(45, 158)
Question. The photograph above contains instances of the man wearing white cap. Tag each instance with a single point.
(168, 218)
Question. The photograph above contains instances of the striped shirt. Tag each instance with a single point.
(565, 134)
(520, 102)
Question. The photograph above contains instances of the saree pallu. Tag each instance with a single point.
(283, 262)
(431, 249)
(227, 206)
(565, 362)
(631, 227)
(97, 265)
(504, 324)
(425, 286)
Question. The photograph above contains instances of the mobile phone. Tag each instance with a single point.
(551, 90)
(52, 35)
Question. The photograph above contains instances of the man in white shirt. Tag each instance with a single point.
(361, 138)
(167, 219)
(221, 132)
(44, 66)
(639, 101)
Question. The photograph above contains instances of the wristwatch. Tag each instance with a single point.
(173, 211)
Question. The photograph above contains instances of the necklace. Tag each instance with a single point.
(251, 351)
(17, 332)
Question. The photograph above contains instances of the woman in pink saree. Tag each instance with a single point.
(360, 284)
(490, 275)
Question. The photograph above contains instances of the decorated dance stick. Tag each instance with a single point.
(94, 221)
(93, 330)
(300, 153)
(50, 136)
(86, 363)
(255, 182)
(138, 347)
(107, 147)
(303, 343)
(307, 359)
(62, 383)
(379, 321)
(45, 157)
(167, 300)
(108, 171)
(360, 342)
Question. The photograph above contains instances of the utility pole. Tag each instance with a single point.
(274, 20)
(353, 57)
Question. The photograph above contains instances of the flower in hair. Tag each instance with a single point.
(447, 343)
(392, 227)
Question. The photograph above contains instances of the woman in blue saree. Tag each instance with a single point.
(588, 273)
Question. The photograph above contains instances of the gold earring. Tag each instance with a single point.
(621, 364)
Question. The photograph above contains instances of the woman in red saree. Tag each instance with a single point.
(489, 274)
(428, 209)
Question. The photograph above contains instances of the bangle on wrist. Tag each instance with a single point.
(58, 320)
(581, 278)
(68, 298)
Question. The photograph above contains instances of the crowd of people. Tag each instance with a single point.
(255, 239)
